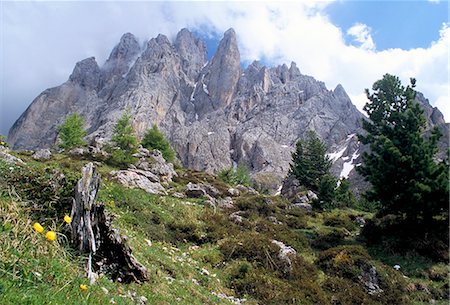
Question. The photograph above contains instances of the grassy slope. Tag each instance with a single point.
(186, 239)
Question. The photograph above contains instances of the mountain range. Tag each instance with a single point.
(214, 113)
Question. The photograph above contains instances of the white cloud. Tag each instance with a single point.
(361, 34)
(42, 41)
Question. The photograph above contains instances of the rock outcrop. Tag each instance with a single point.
(215, 114)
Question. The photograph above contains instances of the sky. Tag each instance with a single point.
(353, 43)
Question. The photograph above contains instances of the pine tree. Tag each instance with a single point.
(71, 132)
(154, 139)
(310, 162)
(405, 179)
(124, 142)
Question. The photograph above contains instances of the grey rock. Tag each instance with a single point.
(198, 190)
(236, 217)
(274, 220)
(371, 280)
(225, 203)
(178, 195)
(285, 254)
(78, 152)
(233, 192)
(210, 202)
(152, 161)
(214, 114)
(42, 154)
(8, 158)
(305, 206)
(138, 179)
(311, 195)
(194, 190)
(360, 221)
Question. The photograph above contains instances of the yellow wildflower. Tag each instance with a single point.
(50, 235)
(37, 226)
(83, 287)
(67, 219)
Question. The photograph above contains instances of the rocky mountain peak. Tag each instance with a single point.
(121, 59)
(192, 52)
(214, 114)
(128, 47)
(86, 74)
(223, 73)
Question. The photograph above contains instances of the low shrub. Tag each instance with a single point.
(398, 236)
(235, 176)
(339, 220)
(349, 263)
(247, 279)
(328, 239)
(48, 189)
(253, 247)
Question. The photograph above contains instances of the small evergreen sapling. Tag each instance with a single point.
(124, 142)
(154, 139)
(71, 132)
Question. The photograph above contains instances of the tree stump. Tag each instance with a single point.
(92, 232)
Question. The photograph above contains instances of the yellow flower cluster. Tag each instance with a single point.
(50, 235)
(83, 287)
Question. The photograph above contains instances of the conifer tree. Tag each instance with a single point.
(405, 179)
(124, 142)
(154, 139)
(310, 162)
(71, 132)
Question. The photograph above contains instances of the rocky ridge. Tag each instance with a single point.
(214, 113)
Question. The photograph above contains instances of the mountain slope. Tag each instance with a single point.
(214, 113)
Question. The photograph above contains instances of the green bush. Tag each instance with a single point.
(344, 261)
(124, 143)
(154, 139)
(247, 279)
(253, 247)
(339, 220)
(71, 132)
(344, 291)
(235, 176)
(49, 190)
(327, 239)
(399, 236)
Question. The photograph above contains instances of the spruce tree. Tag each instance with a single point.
(405, 178)
(154, 139)
(310, 162)
(71, 132)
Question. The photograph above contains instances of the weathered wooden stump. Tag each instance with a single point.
(92, 233)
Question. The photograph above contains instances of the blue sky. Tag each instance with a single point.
(352, 43)
(394, 24)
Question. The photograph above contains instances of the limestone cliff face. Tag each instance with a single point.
(215, 113)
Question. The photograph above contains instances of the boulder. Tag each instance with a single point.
(194, 190)
(285, 254)
(233, 192)
(78, 152)
(42, 154)
(8, 158)
(305, 206)
(198, 190)
(236, 217)
(153, 161)
(139, 179)
(371, 280)
(225, 203)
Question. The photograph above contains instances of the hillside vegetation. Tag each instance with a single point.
(260, 250)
